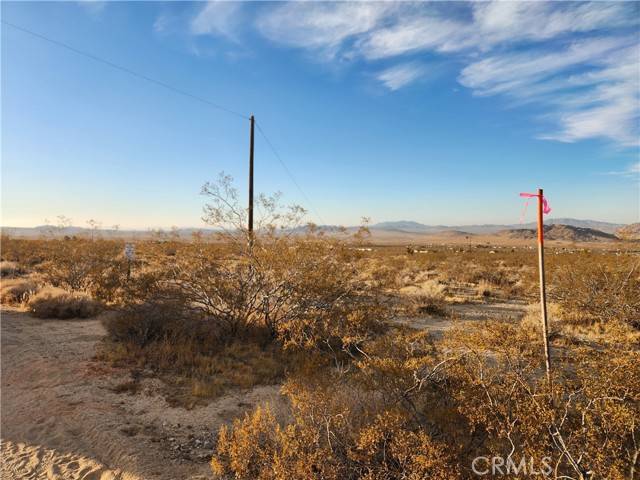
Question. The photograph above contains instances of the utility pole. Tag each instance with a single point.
(543, 292)
(250, 226)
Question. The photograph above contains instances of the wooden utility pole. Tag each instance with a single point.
(543, 292)
(250, 226)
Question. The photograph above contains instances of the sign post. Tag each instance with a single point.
(130, 254)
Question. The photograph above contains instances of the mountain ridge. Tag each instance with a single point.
(399, 227)
(561, 232)
(409, 226)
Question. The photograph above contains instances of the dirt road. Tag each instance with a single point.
(62, 419)
(437, 326)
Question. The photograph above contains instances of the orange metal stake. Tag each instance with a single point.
(543, 292)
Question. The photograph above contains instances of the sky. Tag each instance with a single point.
(439, 112)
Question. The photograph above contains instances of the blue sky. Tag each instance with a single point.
(434, 112)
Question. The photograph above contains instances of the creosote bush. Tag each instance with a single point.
(412, 408)
(143, 323)
(595, 293)
(279, 292)
(284, 296)
(83, 265)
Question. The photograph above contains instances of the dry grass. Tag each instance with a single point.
(565, 331)
(424, 297)
(51, 302)
(486, 289)
(188, 353)
(18, 290)
(195, 372)
(427, 304)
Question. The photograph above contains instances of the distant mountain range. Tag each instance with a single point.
(52, 230)
(629, 232)
(415, 227)
(393, 227)
(560, 232)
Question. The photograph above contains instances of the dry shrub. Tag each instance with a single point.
(306, 291)
(613, 334)
(282, 295)
(425, 298)
(13, 291)
(506, 273)
(585, 423)
(411, 408)
(141, 324)
(240, 365)
(593, 292)
(52, 302)
(94, 266)
(610, 333)
(22, 251)
(343, 427)
(485, 289)
(531, 320)
(247, 450)
(328, 440)
(427, 305)
(189, 351)
(10, 269)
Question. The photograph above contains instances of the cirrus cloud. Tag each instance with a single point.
(577, 61)
(401, 75)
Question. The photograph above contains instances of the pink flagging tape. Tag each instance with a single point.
(546, 209)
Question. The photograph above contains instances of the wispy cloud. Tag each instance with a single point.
(321, 26)
(632, 171)
(161, 23)
(386, 29)
(401, 75)
(507, 72)
(578, 61)
(218, 18)
(93, 7)
(502, 22)
(590, 88)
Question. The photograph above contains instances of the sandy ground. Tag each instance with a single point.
(503, 310)
(61, 419)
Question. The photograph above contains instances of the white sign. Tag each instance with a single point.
(129, 251)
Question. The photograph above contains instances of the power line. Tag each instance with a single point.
(173, 89)
(286, 169)
(126, 70)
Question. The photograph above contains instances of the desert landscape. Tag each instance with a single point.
(320, 240)
(316, 354)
